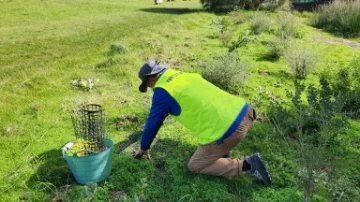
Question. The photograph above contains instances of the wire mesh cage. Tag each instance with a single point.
(89, 126)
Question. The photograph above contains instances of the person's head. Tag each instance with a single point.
(149, 73)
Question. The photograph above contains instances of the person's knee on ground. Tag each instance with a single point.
(194, 167)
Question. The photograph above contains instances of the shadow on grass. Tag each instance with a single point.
(52, 173)
(134, 137)
(267, 57)
(176, 11)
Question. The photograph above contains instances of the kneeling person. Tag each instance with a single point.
(218, 119)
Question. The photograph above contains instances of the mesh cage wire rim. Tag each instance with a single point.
(89, 124)
(91, 108)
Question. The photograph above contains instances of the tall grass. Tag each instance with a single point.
(342, 18)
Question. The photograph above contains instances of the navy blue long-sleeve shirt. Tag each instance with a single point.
(163, 105)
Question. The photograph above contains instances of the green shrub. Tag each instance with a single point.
(318, 119)
(341, 18)
(226, 72)
(315, 125)
(346, 86)
(300, 59)
(261, 23)
(228, 5)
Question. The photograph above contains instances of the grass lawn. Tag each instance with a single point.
(45, 45)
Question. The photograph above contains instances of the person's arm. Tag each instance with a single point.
(160, 108)
(158, 112)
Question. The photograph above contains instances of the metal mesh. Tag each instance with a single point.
(89, 126)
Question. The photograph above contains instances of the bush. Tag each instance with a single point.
(261, 23)
(221, 25)
(242, 40)
(228, 5)
(341, 18)
(300, 59)
(287, 27)
(272, 5)
(346, 86)
(221, 5)
(276, 49)
(226, 72)
(314, 125)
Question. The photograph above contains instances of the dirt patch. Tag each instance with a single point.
(337, 41)
(351, 43)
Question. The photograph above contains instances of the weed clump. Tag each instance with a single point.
(83, 84)
(117, 48)
(226, 72)
(242, 40)
(339, 17)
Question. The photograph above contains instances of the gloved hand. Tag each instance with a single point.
(138, 154)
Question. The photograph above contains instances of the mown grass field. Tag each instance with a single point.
(45, 45)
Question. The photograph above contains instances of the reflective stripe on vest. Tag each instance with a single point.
(206, 110)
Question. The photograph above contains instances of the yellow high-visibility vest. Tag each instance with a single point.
(206, 110)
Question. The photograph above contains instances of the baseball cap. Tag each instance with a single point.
(148, 69)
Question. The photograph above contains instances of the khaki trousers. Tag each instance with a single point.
(208, 159)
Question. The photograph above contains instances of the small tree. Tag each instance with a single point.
(314, 123)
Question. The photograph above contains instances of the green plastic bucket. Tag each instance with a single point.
(93, 168)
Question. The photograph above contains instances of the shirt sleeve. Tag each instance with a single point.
(160, 109)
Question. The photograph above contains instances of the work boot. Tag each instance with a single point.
(257, 169)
